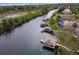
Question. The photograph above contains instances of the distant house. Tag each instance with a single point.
(67, 11)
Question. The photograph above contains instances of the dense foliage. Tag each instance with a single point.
(73, 7)
(33, 11)
(8, 24)
(13, 9)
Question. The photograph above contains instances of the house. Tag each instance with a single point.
(49, 40)
(68, 26)
(67, 11)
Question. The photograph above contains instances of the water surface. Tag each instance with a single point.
(24, 39)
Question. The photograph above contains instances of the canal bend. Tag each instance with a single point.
(24, 39)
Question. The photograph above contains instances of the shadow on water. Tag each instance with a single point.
(53, 50)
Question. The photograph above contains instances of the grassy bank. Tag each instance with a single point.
(53, 22)
(66, 38)
(63, 51)
(9, 24)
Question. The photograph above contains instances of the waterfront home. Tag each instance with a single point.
(49, 40)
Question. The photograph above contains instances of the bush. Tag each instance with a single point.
(55, 26)
(53, 22)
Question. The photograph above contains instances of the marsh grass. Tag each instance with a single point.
(9, 24)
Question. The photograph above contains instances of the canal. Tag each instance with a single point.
(24, 40)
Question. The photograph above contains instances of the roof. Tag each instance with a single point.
(67, 11)
(49, 39)
(69, 23)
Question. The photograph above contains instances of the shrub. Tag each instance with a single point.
(53, 21)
